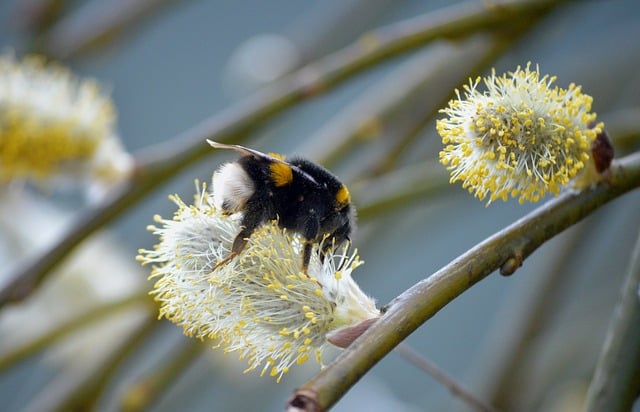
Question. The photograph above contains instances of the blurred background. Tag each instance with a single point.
(528, 342)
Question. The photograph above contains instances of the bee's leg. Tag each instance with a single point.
(310, 233)
(337, 238)
(306, 256)
(250, 222)
(236, 248)
(224, 261)
(326, 248)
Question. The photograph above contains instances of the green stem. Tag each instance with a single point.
(427, 106)
(101, 25)
(157, 164)
(438, 70)
(65, 329)
(505, 249)
(457, 389)
(378, 196)
(145, 392)
(396, 95)
(88, 393)
(623, 124)
(616, 381)
(80, 386)
(533, 316)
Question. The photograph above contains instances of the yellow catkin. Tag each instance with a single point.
(520, 138)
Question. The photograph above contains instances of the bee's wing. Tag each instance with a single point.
(245, 151)
(251, 152)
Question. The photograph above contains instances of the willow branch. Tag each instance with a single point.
(616, 381)
(438, 374)
(79, 387)
(64, 329)
(623, 124)
(410, 97)
(158, 163)
(505, 249)
(97, 25)
(377, 196)
(403, 137)
(396, 94)
(142, 394)
(89, 391)
(35, 17)
(533, 316)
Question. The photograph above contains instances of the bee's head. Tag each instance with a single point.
(332, 201)
(339, 220)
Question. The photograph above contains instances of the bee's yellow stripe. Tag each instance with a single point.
(342, 196)
(281, 174)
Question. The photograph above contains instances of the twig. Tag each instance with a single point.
(417, 89)
(395, 94)
(65, 329)
(475, 63)
(532, 317)
(623, 124)
(79, 388)
(147, 391)
(616, 381)
(98, 24)
(415, 358)
(158, 163)
(377, 196)
(423, 300)
(35, 16)
(326, 26)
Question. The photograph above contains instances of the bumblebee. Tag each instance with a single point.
(300, 195)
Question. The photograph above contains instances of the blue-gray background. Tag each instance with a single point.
(173, 70)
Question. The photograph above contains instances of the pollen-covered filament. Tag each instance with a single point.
(541, 148)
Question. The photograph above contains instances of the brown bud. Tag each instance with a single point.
(304, 400)
(602, 151)
(511, 265)
(345, 336)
